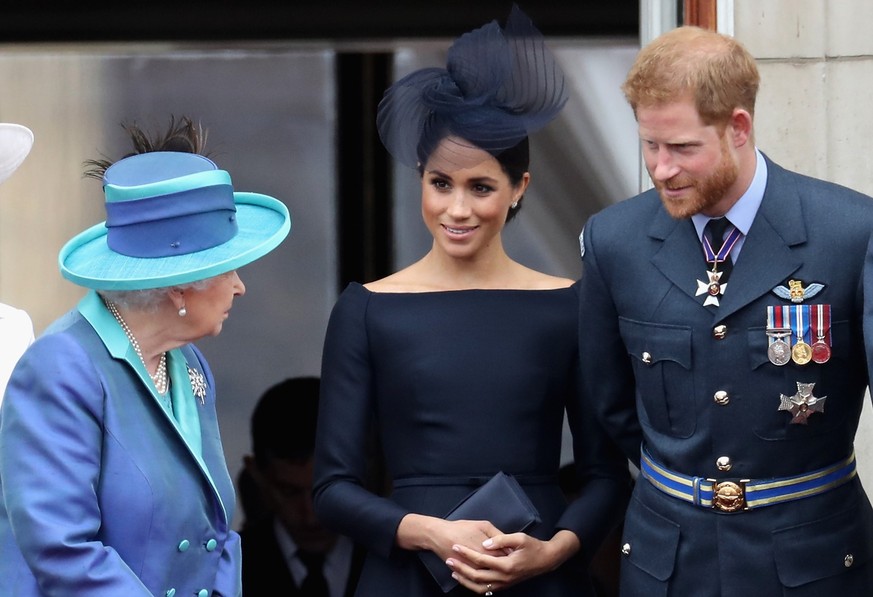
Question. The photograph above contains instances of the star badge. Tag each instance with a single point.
(802, 404)
(712, 289)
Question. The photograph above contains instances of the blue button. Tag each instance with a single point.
(203, 593)
(184, 545)
(170, 592)
(211, 545)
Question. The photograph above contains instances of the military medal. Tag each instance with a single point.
(778, 318)
(779, 352)
(801, 352)
(821, 329)
(802, 404)
(713, 288)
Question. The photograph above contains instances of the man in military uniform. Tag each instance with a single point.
(729, 364)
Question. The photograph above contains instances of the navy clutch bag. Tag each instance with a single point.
(501, 501)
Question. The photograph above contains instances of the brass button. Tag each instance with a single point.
(848, 560)
(721, 397)
(723, 463)
(647, 358)
(719, 332)
(626, 549)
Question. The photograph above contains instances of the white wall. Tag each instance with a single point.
(813, 115)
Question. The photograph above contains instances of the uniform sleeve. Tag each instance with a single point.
(605, 481)
(346, 410)
(51, 433)
(607, 379)
(868, 309)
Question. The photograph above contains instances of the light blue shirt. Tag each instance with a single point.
(743, 212)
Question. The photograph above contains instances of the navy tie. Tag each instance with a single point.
(314, 585)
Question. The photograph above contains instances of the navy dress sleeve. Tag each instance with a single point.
(345, 415)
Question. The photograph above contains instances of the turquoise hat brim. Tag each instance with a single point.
(86, 259)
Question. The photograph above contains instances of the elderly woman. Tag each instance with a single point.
(111, 466)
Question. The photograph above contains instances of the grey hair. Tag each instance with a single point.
(148, 300)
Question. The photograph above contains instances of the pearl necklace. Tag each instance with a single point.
(160, 378)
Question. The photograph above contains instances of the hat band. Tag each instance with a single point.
(176, 223)
(161, 188)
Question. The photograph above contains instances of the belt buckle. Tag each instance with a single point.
(729, 496)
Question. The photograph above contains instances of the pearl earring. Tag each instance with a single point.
(183, 312)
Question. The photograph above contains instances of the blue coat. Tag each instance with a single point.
(102, 495)
(654, 357)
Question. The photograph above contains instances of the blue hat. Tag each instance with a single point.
(171, 218)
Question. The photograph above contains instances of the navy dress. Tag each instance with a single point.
(460, 385)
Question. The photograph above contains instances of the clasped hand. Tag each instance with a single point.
(482, 558)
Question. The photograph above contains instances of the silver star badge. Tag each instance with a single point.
(802, 404)
(198, 384)
(712, 289)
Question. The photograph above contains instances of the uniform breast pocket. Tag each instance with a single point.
(831, 381)
(661, 357)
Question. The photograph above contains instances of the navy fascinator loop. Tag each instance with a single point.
(499, 86)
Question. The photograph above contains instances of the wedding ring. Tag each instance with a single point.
(488, 591)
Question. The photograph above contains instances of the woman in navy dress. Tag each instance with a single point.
(466, 360)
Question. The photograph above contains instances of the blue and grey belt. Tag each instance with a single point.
(745, 494)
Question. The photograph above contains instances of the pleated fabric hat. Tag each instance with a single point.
(15, 143)
(171, 218)
(499, 86)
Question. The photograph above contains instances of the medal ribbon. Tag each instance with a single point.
(714, 257)
(821, 323)
(778, 322)
(801, 323)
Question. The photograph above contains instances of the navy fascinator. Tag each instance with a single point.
(499, 85)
